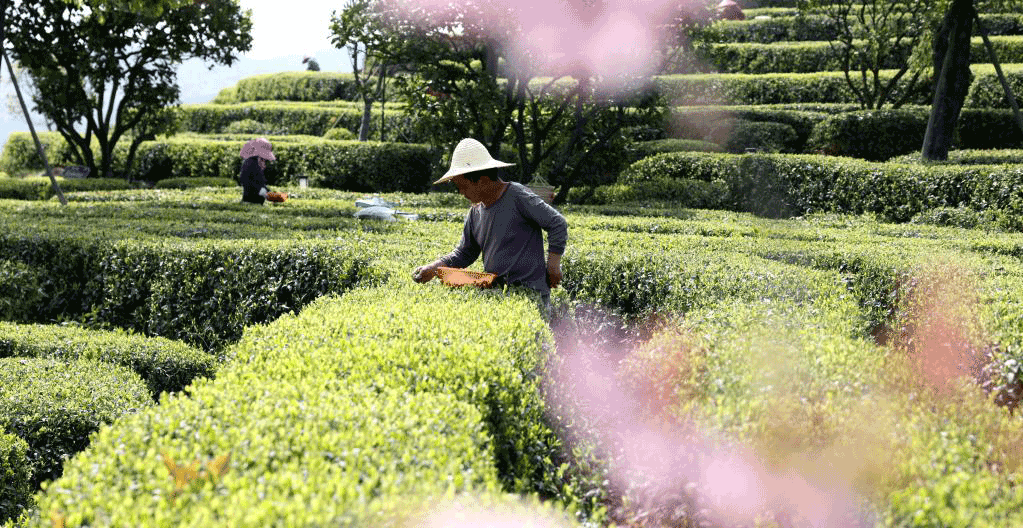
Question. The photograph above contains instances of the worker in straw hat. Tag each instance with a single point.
(505, 224)
(256, 153)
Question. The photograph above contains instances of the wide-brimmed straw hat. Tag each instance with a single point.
(470, 156)
(258, 147)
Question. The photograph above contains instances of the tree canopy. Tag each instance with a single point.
(106, 70)
(550, 89)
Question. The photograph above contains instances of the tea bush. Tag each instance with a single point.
(56, 406)
(337, 415)
(165, 365)
(204, 294)
(192, 183)
(291, 86)
(808, 56)
(15, 474)
(289, 118)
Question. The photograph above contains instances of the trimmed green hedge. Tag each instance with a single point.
(771, 88)
(55, 406)
(972, 157)
(782, 26)
(767, 30)
(820, 55)
(361, 406)
(986, 90)
(15, 477)
(193, 183)
(23, 290)
(165, 365)
(873, 135)
(292, 118)
(40, 188)
(781, 185)
(291, 86)
(343, 165)
(203, 293)
(697, 122)
(643, 149)
(404, 336)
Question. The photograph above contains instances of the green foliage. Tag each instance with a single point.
(251, 126)
(15, 475)
(28, 188)
(317, 453)
(70, 185)
(962, 217)
(20, 154)
(970, 157)
(193, 183)
(772, 29)
(294, 86)
(339, 134)
(80, 60)
(55, 406)
(787, 185)
(983, 128)
(203, 294)
(644, 149)
(807, 56)
(772, 88)
(406, 410)
(164, 365)
(347, 165)
(295, 118)
(495, 370)
(24, 290)
(670, 192)
(873, 135)
(738, 136)
(986, 91)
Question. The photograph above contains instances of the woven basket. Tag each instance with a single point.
(543, 191)
(456, 277)
(275, 196)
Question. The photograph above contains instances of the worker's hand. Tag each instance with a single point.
(425, 273)
(553, 270)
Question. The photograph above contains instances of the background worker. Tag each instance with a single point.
(730, 10)
(505, 224)
(256, 153)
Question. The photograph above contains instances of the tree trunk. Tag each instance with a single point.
(952, 82)
(367, 115)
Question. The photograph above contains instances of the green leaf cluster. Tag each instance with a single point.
(292, 86)
(291, 118)
(377, 403)
(15, 473)
(164, 365)
(782, 185)
(56, 406)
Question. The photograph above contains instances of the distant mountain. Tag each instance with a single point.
(199, 84)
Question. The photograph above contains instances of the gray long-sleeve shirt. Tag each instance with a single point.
(509, 233)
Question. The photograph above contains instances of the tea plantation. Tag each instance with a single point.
(774, 315)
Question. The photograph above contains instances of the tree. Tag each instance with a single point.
(358, 28)
(479, 73)
(952, 78)
(105, 72)
(878, 35)
(952, 72)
